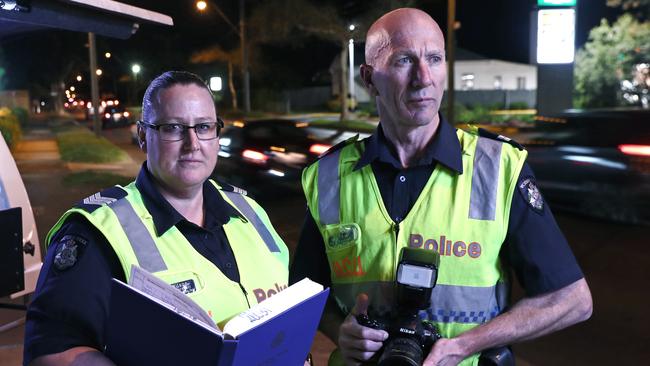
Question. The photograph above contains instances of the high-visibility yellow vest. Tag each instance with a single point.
(261, 255)
(462, 216)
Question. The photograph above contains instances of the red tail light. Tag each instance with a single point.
(319, 148)
(638, 150)
(254, 156)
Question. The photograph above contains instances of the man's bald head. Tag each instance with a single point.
(397, 24)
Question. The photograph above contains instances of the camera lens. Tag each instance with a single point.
(402, 352)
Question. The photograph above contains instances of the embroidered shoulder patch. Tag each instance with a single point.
(68, 251)
(105, 197)
(531, 194)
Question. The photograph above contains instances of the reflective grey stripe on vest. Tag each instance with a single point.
(329, 184)
(143, 245)
(457, 304)
(4, 199)
(251, 215)
(485, 179)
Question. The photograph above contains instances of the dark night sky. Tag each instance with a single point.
(495, 28)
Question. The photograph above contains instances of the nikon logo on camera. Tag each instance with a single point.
(406, 330)
(445, 247)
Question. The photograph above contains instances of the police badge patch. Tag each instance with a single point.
(68, 251)
(532, 195)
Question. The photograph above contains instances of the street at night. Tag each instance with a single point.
(167, 167)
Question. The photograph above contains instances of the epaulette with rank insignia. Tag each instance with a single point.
(105, 197)
(491, 135)
(339, 146)
(230, 188)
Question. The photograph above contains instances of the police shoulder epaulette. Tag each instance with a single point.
(491, 135)
(105, 197)
(339, 146)
(230, 188)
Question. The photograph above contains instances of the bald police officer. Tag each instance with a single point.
(418, 182)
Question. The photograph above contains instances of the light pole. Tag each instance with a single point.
(135, 69)
(241, 32)
(94, 84)
(451, 59)
(351, 104)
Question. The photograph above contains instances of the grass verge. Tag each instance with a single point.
(100, 179)
(78, 144)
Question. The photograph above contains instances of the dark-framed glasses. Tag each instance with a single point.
(173, 131)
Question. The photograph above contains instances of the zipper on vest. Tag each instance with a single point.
(396, 230)
(245, 294)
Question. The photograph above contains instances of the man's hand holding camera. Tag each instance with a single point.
(445, 352)
(356, 342)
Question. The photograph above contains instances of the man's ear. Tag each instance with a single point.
(366, 75)
(142, 137)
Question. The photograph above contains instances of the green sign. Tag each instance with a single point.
(556, 2)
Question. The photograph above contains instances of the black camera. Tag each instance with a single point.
(409, 338)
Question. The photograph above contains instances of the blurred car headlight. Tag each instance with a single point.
(318, 149)
(254, 156)
(225, 141)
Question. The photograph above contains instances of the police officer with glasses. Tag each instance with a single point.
(209, 240)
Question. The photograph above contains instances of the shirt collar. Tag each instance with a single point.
(444, 149)
(164, 215)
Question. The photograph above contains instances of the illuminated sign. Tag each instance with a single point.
(556, 2)
(555, 36)
(215, 83)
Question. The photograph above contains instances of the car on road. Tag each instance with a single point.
(595, 162)
(272, 151)
(115, 116)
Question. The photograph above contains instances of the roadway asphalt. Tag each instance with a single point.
(614, 258)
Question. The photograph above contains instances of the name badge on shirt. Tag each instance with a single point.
(186, 287)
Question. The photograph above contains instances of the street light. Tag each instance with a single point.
(72, 88)
(241, 32)
(99, 72)
(135, 69)
(79, 78)
(351, 27)
(107, 55)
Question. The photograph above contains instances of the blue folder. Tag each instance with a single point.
(142, 332)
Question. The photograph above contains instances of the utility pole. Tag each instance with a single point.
(244, 56)
(451, 21)
(241, 32)
(94, 85)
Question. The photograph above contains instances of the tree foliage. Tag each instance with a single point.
(610, 56)
(294, 21)
(639, 8)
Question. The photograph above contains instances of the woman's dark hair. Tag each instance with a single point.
(164, 81)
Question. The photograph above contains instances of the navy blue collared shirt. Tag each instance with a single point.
(70, 305)
(534, 247)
